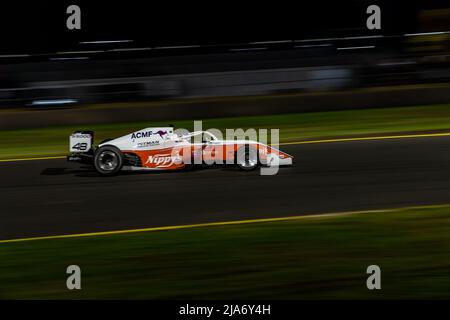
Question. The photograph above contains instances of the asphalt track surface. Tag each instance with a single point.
(53, 197)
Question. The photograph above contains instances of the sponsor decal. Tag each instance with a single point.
(148, 134)
(163, 160)
(80, 136)
(147, 144)
(161, 133)
(141, 134)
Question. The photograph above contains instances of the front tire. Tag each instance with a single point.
(108, 160)
(247, 158)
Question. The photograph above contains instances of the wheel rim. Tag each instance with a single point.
(249, 160)
(108, 160)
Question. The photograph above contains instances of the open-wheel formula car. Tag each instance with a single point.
(162, 149)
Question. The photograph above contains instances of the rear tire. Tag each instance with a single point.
(108, 160)
(247, 158)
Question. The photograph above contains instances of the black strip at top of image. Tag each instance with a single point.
(40, 27)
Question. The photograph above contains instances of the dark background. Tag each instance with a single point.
(41, 59)
(40, 26)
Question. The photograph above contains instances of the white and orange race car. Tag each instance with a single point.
(162, 149)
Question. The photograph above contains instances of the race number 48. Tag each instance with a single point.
(80, 146)
(80, 142)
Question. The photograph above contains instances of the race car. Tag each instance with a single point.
(159, 148)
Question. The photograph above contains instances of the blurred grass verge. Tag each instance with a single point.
(293, 127)
(313, 258)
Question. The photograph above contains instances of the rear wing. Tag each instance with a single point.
(81, 141)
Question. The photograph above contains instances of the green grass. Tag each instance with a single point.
(54, 141)
(316, 258)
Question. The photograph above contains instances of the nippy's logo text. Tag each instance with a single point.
(163, 160)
